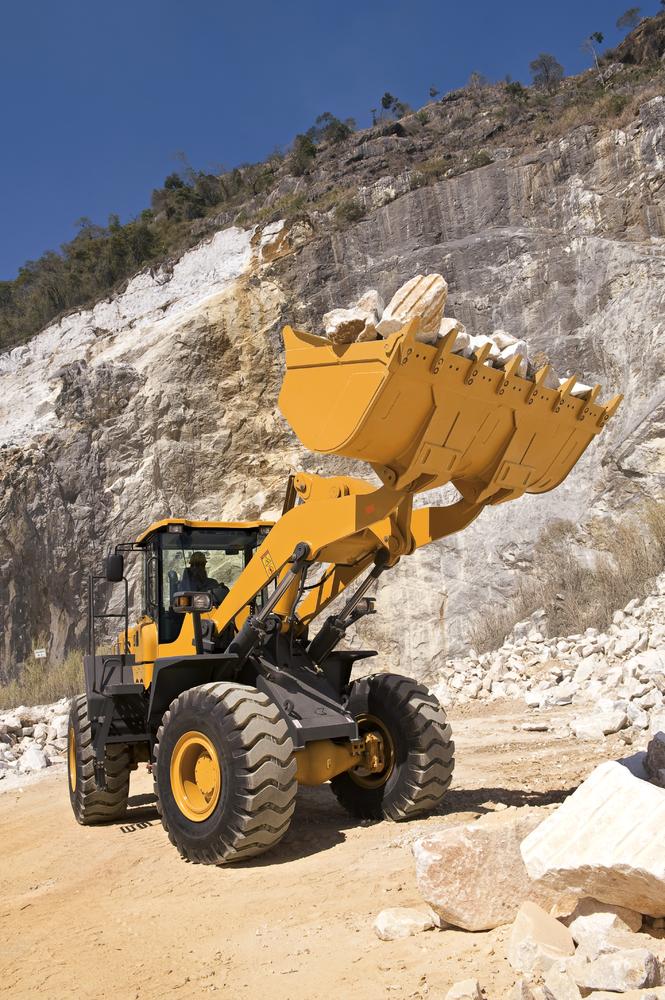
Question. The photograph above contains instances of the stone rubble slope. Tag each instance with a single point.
(31, 739)
(424, 297)
(615, 677)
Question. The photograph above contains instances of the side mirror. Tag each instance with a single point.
(114, 567)
(190, 600)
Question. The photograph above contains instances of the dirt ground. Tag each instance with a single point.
(113, 912)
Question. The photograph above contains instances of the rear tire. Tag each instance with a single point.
(420, 757)
(225, 773)
(91, 805)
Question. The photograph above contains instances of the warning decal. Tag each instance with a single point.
(268, 564)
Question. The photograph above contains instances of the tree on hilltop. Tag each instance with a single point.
(589, 45)
(629, 19)
(546, 72)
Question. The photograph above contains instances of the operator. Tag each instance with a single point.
(196, 578)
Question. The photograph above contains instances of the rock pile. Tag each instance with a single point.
(600, 857)
(616, 678)
(33, 738)
(424, 296)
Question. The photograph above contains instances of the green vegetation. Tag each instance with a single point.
(577, 593)
(348, 210)
(84, 269)
(99, 258)
(479, 158)
(516, 92)
(38, 684)
(328, 128)
(393, 106)
(302, 154)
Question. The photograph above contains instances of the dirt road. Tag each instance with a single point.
(113, 912)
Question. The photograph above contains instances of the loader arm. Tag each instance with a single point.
(345, 529)
(421, 416)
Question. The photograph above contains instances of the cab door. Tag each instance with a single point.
(145, 643)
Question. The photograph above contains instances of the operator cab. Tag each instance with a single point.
(193, 555)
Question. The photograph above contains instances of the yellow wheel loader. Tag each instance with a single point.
(224, 685)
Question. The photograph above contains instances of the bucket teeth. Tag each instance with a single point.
(565, 391)
(483, 353)
(513, 365)
(443, 349)
(610, 409)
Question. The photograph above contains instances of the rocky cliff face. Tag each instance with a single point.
(162, 400)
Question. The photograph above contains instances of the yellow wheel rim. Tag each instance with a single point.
(71, 757)
(196, 776)
(361, 775)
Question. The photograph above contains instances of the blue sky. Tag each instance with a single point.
(99, 98)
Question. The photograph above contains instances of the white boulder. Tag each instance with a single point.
(473, 876)
(400, 922)
(466, 989)
(558, 984)
(591, 919)
(503, 339)
(371, 303)
(343, 326)
(605, 841)
(537, 940)
(423, 296)
(618, 971)
(587, 728)
(33, 759)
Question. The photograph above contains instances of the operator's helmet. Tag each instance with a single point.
(197, 560)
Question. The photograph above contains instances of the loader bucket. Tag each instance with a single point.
(423, 416)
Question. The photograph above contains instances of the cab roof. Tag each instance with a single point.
(167, 521)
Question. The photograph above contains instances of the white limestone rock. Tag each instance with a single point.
(59, 728)
(371, 303)
(591, 919)
(593, 846)
(558, 984)
(11, 723)
(466, 989)
(343, 326)
(455, 867)
(33, 759)
(618, 971)
(503, 339)
(537, 940)
(424, 296)
(401, 922)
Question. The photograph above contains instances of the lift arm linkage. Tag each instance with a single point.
(345, 523)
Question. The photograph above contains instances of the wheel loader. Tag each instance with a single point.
(225, 686)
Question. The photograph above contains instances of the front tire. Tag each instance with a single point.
(419, 751)
(90, 804)
(225, 773)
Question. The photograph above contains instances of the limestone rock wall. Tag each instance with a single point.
(163, 400)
